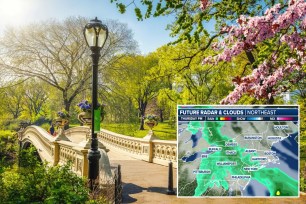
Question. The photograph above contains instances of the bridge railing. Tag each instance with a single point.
(68, 151)
(40, 139)
(56, 151)
(151, 150)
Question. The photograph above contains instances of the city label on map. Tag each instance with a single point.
(241, 176)
(270, 152)
(202, 171)
(281, 127)
(231, 144)
(259, 159)
(226, 163)
(250, 168)
(204, 156)
(274, 138)
(214, 149)
(253, 137)
(250, 150)
(230, 152)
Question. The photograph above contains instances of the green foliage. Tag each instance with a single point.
(151, 117)
(303, 184)
(122, 7)
(302, 103)
(46, 126)
(41, 120)
(186, 81)
(190, 20)
(132, 87)
(8, 147)
(57, 77)
(29, 159)
(6, 135)
(163, 131)
(138, 13)
(302, 173)
(36, 182)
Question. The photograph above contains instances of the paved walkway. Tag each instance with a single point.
(145, 182)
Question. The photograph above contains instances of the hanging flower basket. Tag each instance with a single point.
(62, 119)
(151, 121)
(61, 122)
(85, 117)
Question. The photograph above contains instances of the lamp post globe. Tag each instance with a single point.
(95, 34)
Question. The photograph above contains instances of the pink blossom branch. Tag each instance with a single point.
(253, 30)
(259, 81)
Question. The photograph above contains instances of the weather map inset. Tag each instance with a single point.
(238, 151)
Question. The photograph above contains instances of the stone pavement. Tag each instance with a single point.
(145, 182)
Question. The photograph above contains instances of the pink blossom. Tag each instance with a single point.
(253, 30)
(266, 80)
(204, 4)
(303, 24)
(261, 79)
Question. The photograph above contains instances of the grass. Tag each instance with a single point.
(163, 130)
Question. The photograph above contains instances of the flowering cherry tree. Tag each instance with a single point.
(272, 39)
(287, 23)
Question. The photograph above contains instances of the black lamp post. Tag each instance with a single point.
(95, 34)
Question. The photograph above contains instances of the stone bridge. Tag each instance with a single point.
(73, 145)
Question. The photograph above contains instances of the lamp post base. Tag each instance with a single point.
(171, 192)
(93, 166)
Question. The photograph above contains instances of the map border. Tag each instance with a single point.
(238, 197)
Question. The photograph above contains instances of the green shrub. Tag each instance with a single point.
(8, 146)
(46, 126)
(6, 135)
(13, 124)
(36, 182)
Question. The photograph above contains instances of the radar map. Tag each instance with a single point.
(242, 151)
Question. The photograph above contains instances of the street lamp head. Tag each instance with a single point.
(95, 34)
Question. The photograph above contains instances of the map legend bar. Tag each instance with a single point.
(226, 118)
(254, 118)
(286, 118)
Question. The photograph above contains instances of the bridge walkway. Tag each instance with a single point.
(145, 182)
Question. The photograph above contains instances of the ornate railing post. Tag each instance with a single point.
(148, 145)
(56, 152)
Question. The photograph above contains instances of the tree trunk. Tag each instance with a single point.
(250, 57)
(142, 115)
(161, 115)
(271, 99)
(142, 109)
(16, 115)
(67, 108)
(66, 101)
(141, 127)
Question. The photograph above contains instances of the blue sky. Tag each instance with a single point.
(150, 33)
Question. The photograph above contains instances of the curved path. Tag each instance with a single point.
(145, 182)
